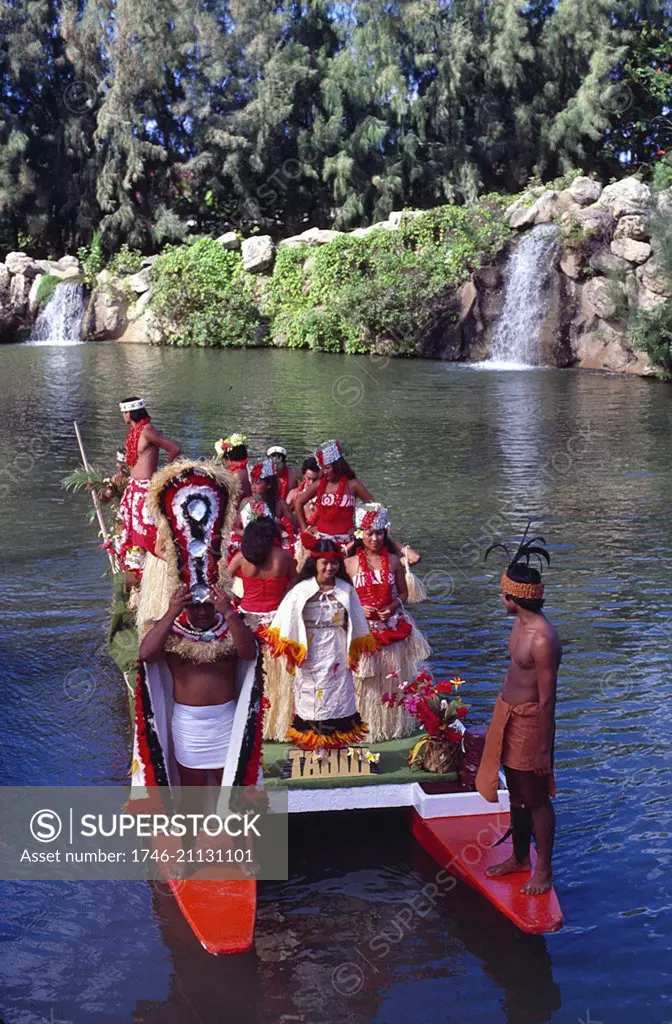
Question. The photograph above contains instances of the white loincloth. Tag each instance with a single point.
(202, 734)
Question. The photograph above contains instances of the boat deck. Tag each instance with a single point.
(432, 795)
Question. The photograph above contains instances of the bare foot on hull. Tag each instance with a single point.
(540, 883)
(510, 866)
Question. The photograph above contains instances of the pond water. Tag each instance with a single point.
(459, 455)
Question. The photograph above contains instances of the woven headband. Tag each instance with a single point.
(526, 591)
(139, 403)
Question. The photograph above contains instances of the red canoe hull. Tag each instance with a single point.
(220, 913)
(464, 846)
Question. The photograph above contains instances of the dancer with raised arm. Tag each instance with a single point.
(135, 533)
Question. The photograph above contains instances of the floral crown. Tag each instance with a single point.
(372, 516)
(328, 453)
(254, 510)
(261, 471)
(225, 444)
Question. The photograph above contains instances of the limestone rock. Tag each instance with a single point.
(648, 300)
(147, 261)
(140, 282)
(142, 328)
(229, 240)
(69, 274)
(606, 348)
(634, 226)
(626, 197)
(571, 263)
(650, 275)
(19, 289)
(630, 250)
(106, 312)
(312, 236)
(32, 295)
(544, 210)
(258, 253)
(68, 261)
(397, 216)
(104, 277)
(382, 225)
(585, 191)
(20, 263)
(605, 262)
(597, 298)
(594, 219)
(4, 282)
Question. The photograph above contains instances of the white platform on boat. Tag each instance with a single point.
(410, 794)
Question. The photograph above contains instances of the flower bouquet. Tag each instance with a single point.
(439, 710)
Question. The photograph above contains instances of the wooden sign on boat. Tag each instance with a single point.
(346, 761)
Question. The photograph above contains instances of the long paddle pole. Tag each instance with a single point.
(96, 500)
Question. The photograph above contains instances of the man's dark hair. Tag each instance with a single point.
(519, 572)
(239, 451)
(310, 465)
(323, 547)
(258, 539)
(137, 415)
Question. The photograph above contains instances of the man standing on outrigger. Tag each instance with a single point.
(137, 534)
(522, 731)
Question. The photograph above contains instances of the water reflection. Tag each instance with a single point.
(458, 455)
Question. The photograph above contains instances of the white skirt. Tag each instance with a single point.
(202, 734)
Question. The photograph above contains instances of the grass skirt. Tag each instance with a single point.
(279, 684)
(401, 660)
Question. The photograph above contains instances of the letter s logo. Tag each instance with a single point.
(45, 826)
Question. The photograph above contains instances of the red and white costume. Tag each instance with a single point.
(400, 646)
(135, 530)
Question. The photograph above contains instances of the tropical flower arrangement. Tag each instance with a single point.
(440, 711)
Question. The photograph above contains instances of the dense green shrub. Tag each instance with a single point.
(201, 296)
(126, 261)
(353, 292)
(652, 332)
(46, 289)
(92, 259)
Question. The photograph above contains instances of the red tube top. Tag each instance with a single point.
(263, 594)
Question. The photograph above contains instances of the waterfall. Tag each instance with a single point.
(60, 321)
(515, 339)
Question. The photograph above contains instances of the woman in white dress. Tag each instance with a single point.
(321, 631)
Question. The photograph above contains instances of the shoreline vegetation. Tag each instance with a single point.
(389, 137)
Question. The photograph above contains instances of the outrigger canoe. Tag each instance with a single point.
(457, 829)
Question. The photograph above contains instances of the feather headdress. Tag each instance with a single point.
(531, 590)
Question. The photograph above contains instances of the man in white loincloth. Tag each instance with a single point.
(204, 691)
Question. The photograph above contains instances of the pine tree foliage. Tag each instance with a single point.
(152, 122)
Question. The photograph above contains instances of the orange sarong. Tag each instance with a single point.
(511, 741)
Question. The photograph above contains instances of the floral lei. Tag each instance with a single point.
(372, 593)
(283, 482)
(233, 465)
(133, 439)
(330, 512)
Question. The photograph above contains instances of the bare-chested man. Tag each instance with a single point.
(143, 445)
(522, 731)
(204, 692)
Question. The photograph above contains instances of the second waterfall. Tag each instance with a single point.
(515, 340)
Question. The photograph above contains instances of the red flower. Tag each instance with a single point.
(431, 722)
(444, 687)
(388, 698)
(424, 677)
(411, 688)
(453, 736)
(462, 712)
